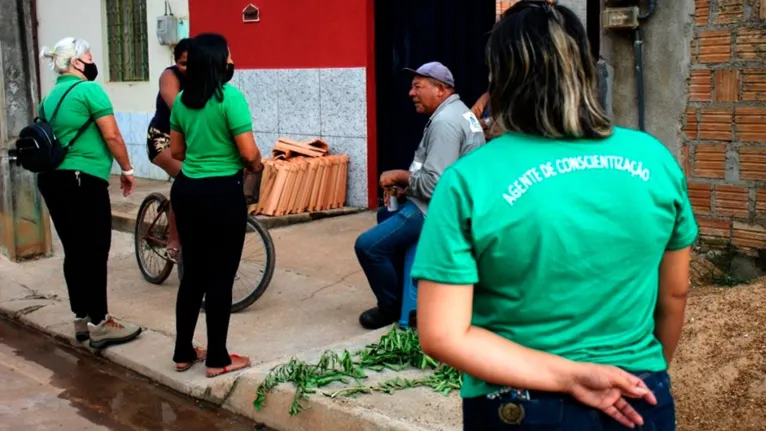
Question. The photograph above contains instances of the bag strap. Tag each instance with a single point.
(80, 131)
(58, 105)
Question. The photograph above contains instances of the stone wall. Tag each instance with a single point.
(724, 144)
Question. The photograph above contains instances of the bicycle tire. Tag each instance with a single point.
(268, 271)
(138, 240)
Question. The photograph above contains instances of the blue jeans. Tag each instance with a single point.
(381, 252)
(557, 412)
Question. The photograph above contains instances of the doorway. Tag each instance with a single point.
(409, 33)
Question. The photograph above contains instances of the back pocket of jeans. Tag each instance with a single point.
(546, 412)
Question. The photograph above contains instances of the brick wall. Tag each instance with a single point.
(503, 5)
(724, 148)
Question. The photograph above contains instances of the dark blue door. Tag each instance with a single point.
(409, 33)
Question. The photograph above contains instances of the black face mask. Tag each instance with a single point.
(90, 70)
(229, 73)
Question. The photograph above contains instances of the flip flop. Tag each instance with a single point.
(174, 257)
(184, 366)
(229, 369)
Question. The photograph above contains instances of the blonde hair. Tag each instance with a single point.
(543, 79)
(64, 52)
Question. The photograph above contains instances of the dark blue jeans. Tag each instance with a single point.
(556, 412)
(381, 252)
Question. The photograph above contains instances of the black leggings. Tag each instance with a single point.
(82, 215)
(211, 216)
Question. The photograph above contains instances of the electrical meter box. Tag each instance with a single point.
(167, 30)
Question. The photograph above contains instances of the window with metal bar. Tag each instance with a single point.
(126, 31)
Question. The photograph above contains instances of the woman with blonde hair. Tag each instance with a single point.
(76, 193)
(554, 262)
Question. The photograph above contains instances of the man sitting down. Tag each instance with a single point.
(452, 131)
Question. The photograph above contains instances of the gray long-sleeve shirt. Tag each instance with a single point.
(452, 131)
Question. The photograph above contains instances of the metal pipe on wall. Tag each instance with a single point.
(638, 46)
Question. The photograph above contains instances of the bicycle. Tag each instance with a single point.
(151, 239)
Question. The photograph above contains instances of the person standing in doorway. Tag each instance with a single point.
(77, 192)
(553, 267)
(158, 135)
(211, 134)
(451, 132)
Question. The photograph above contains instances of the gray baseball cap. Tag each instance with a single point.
(434, 70)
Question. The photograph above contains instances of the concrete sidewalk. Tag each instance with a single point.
(125, 209)
(311, 306)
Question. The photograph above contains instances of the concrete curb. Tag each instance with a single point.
(149, 356)
(126, 222)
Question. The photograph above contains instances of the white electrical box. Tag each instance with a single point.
(167, 30)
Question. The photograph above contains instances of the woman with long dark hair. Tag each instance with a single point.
(554, 261)
(211, 134)
(158, 134)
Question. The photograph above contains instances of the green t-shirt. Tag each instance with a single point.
(563, 243)
(210, 132)
(89, 154)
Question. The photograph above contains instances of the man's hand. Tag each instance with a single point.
(395, 177)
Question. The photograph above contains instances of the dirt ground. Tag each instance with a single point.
(719, 372)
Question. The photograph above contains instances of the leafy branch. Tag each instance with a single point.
(398, 350)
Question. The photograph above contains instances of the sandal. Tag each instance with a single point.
(201, 356)
(230, 368)
(171, 254)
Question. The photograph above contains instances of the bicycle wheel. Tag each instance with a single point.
(258, 259)
(151, 238)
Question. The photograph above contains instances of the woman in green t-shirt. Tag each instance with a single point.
(554, 261)
(77, 192)
(211, 133)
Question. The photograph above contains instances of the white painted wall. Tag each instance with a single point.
(87, 19)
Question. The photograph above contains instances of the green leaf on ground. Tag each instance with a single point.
(397, 351)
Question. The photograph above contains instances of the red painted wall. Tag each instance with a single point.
(292, 34)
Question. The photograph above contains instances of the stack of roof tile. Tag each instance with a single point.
(302, 177)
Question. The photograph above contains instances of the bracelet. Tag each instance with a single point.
(128, 173)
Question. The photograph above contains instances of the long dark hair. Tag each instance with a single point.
(542, 77)
(206, 67)
(181, 47)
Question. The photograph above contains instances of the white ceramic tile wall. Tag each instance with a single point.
(296, 103)
(309, 103)
(133, 126)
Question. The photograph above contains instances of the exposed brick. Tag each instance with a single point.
(714, 46)
(748, 235)
(752, 163)
(691, 124)
(714, 229)
(760, 202)
(694, 57)
(687, 159)
(701, 12)
(699, 195)
(763, 9)
(709, 161)
(700, 88)
(503, 5)
(751, 44)
(730, 11)
(754, 85)
(726, 85)
(732, 201)
(750, 124)
(716, 124)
